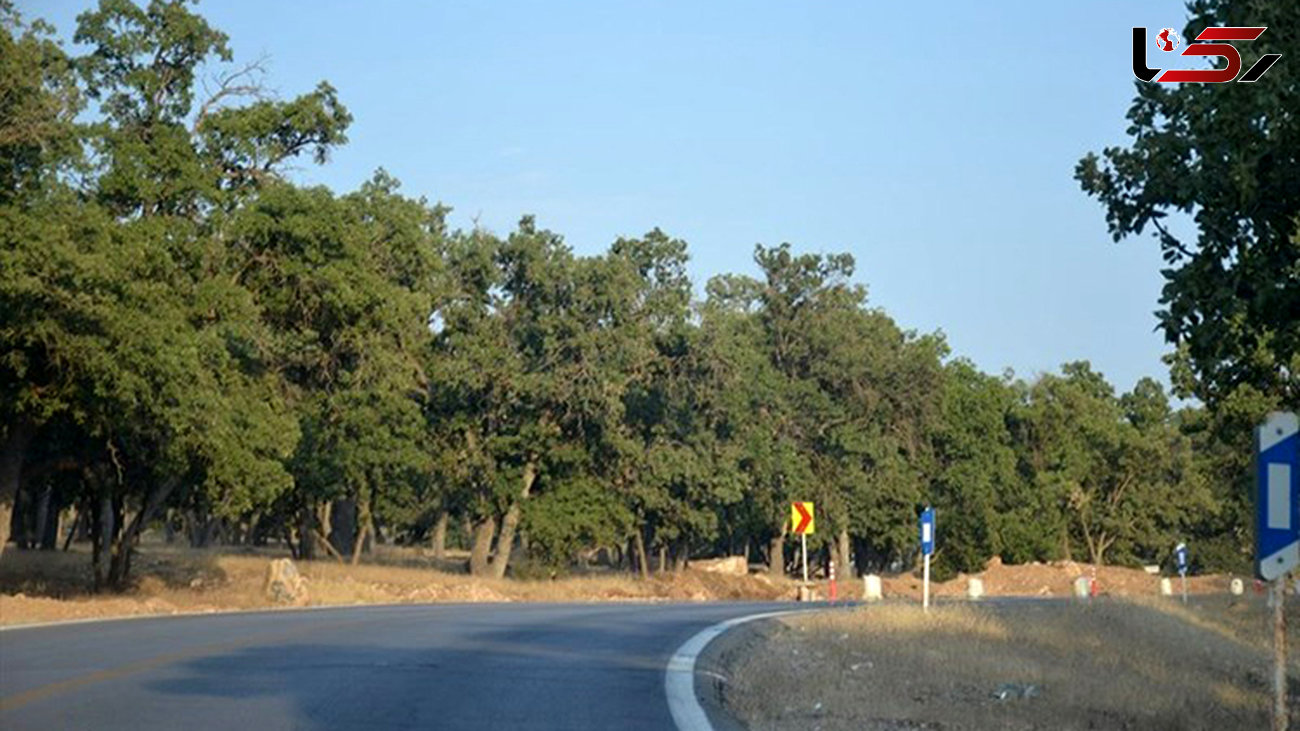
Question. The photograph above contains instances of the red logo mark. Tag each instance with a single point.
(1167, 40)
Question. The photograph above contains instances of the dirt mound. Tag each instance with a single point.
(1052, 579)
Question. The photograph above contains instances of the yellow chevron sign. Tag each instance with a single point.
(802, 518)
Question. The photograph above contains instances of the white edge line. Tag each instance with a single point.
(679, 676)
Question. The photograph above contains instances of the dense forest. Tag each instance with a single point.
(192, 343)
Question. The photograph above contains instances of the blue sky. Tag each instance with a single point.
(935, 142)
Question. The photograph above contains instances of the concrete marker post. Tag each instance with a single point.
(925, 591)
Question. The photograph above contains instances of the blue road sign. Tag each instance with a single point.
(927, 531)
(1180, 558)
(1277, 484)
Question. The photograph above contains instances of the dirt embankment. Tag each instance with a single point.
(50, 586)
(1051, 579)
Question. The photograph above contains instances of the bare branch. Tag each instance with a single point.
(245, 82)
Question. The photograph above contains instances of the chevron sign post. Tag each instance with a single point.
(803, 520)
(1277, 535)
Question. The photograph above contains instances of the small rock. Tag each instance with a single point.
(1017, 691)
(284, 584)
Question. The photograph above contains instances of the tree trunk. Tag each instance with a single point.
(681, 552)
(843, 568)
(124, 546)
(47, 521)
(438, 540)
(20, 519)
(776, 555)
(78, 525)
(366, 525)
(12, 455)
(482, 546)
(663, 559)
(119, 562)
(324, 543)
(202, 528)
(1098, 549)
(642, 561)
(306, 533)
(103, 540)
(506, 541)
(343, 525)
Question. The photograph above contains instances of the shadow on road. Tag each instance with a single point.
(591, 669)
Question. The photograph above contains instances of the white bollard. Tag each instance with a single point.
(975, 589)
(1082, 587)
(1166, 587)
(871, 589)
(1236, 587)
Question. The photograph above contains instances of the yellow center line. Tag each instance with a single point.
(45, 691)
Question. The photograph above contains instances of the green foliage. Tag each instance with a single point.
(184, 329)
(977, 488)
(1223, 154)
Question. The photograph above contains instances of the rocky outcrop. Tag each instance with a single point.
(284, 585)
(733, 565)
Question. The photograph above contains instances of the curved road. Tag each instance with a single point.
(537, 666)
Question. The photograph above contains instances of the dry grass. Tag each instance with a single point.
(1109, 664)
(40, 586)
(1246, 619)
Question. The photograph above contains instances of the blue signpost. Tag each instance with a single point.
(1277, 535)
(927, 548)
(1277, 540)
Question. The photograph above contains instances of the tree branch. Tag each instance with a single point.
(242, 82)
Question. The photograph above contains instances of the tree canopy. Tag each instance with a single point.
(192, 342)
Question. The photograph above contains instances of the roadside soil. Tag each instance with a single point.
(43, 586)
(1105, 663)
(1049, 580)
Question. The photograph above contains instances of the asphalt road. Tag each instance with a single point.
(534, 666)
